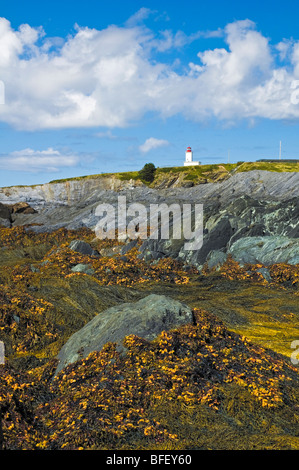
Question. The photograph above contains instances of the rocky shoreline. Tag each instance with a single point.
(252, 216)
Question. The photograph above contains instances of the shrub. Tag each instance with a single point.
(148, 172)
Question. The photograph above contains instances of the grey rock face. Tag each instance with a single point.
(226, 224)
(72, 203)
(265, 273)
(125, 249)
(82, 268)
(251, 204)
(82, 247)
(8, 211)
(146, 318)
(216, 258)
(266, 250)
(66, 193)
(5, 212)
(4, 222)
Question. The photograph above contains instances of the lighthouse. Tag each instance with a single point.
(189, 158)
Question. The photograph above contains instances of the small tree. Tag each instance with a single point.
(148, 172)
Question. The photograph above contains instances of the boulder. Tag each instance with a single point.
(266, 250)
(83, 247)
(5, 212)
(4, 222)
(22, 208)
(34, 269)
(216, 258)
(214, 240)
(265, 273)
(82, 268)
(126, 248)
(8, 212)
(146, 318)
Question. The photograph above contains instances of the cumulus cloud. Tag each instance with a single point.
(152, 143)
(110, 78)
(30, 160)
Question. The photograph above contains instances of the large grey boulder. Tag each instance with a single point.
(82, 268)
(266, 250)
(146, 318)
(83, 247)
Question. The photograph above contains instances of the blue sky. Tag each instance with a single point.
(97, 86)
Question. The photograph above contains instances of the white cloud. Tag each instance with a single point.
(106, 135)
(30, 160)
(284, 47)
(152, 143)
(142, 14)
(97, 78)
(110, 78)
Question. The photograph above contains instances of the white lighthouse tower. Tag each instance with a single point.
(189, 158)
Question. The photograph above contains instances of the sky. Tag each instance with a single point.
(94, 87)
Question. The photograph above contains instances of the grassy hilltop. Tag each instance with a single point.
(200, 174)
(197, 174)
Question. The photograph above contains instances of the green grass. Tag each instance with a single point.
(269, 166)
(79, 178)
(127, 175)
(197, 173)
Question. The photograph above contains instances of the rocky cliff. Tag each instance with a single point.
(245, 205)
(257, 184)
(64, 193)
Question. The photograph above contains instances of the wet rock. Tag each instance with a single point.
(216, 259)
(266, 250)
(146, 318)
(82, 268)
(8, 212)
(4, 222)
(265, 273)
(126, 248)
(224, 225)
(5, 212)
(34, 269)
(22, 207)
(83, 247)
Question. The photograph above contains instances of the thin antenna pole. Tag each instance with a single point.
(280, 150)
